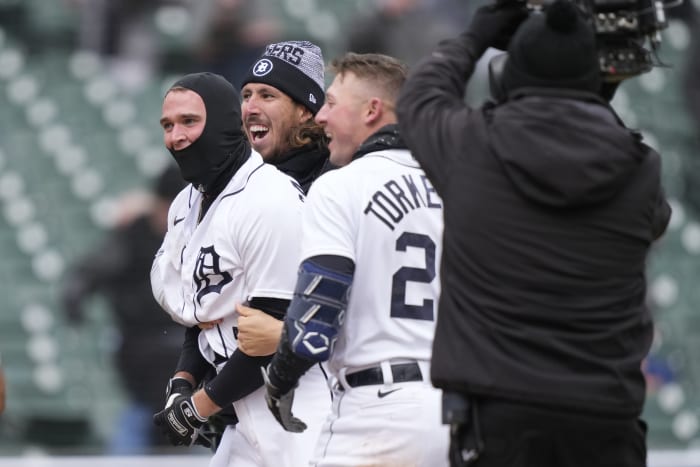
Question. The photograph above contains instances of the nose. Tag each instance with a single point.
(177, 137)
(249, 107)
(321, 117)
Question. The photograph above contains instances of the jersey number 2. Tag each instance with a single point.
(399, 308)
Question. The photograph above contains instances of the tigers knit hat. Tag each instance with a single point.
(293, 67)
(555, 49)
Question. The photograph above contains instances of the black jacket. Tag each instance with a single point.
(551, 206)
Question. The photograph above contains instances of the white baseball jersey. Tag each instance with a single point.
(247, 245)
(382, 212)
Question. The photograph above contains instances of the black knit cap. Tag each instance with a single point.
(556, 49)
(293, 67)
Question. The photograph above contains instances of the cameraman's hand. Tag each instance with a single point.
(494, 25)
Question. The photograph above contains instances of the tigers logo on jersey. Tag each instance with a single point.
(208, 276)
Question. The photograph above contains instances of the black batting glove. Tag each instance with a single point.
(494, 25)
(207, 436)
(180, 422)
(178, 386)
(280, 404)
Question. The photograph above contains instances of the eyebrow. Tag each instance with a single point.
(262, 87)
(190, 115)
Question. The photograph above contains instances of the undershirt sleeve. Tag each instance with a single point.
(241, 374)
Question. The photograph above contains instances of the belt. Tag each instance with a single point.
(402, 372)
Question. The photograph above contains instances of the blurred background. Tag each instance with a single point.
(84, 179)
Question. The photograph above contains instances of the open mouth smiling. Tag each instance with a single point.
(258, 132)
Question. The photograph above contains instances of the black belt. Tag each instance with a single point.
(403, 372)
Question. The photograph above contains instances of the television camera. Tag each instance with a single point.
(628, 32)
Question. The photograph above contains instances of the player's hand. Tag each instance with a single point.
(281, 406)
(258, 333)
(178, 386)
(494, 25)
(180, 421)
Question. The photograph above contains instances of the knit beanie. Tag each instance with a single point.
(293, 67)
(555, 49)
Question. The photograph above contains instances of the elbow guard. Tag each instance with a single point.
(317, 311)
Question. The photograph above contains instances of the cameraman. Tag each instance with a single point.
(551, 205)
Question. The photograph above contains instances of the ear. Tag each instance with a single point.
(304, 113)
(374, 110)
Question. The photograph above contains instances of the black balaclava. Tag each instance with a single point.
(210, 161)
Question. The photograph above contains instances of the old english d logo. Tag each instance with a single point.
(262, 67)
(208, 276)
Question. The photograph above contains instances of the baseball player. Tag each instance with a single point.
(233, 236)
(280, 95)
(367, 287)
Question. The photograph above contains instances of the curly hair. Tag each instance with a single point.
(306, 133)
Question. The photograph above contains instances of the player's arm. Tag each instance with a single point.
(191, 365)
(259, 331)
(164, 275)
(310, 330)
(191, 369)
(240, 375)
(185, 412)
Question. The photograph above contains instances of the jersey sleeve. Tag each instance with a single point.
(164, 275)
(269, 246)
(328, 219)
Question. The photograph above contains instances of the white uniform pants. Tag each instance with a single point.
(387, 425)
(260, 441)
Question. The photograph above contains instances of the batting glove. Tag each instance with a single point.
(180, 421)
(179, 387)
(281, 405)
